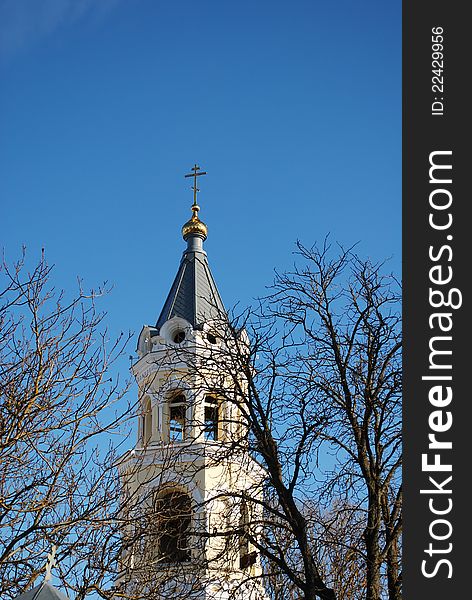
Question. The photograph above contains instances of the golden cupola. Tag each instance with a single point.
(194, 226)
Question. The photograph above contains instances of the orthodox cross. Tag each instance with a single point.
(51, 562)
(196, 173)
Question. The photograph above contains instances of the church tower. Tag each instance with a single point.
(190, 486)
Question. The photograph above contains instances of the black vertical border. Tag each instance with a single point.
(424, 133)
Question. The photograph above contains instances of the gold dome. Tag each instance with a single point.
(194, 226)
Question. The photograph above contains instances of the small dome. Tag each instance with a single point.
(194, 226)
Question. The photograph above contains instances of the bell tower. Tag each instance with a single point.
(190, 486)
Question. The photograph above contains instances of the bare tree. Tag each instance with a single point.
(341, 392)
(60, 416)
(338, 538)
(292, 409)
(349, 363)
(318, 389)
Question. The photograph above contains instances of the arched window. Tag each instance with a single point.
(211, 418)
(246, 558)
(173, 511)
(177, 410)
(146, 421)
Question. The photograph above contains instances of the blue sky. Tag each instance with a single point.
(293, 109)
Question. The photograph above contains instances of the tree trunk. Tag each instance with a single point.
(371, 537)
(393, 576)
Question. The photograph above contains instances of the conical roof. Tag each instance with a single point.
(43, 591)
(193, 295)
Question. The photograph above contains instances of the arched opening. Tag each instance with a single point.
(246, 558)
(211, 423)
(177, 410)
(146, 421)
(174, 512)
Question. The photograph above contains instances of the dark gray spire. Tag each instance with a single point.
(43, 591)
(193, 295)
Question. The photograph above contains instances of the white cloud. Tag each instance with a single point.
(24, 23)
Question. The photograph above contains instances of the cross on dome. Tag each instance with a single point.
(196, 173)
(194, 227)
